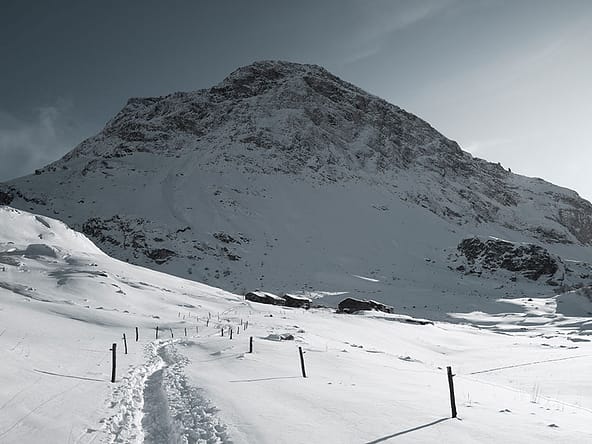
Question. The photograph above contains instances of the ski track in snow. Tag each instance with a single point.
(155, 404)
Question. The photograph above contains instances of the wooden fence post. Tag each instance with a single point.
(172, 335)
(157, 332)
(137, 334)
(302, 362)
(185, 331)
(221, 331)
(114, 361)
(451, 387)
(208, 322)
(125, 344)
(230, 328)
(251, 344)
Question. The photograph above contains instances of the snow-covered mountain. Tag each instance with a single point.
(370, 377)
(286, 178)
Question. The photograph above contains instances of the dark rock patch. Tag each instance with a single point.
(532, 261)
(160, 255)
(5, 198)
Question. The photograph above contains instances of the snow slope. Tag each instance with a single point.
(285, 178)
(521, 376)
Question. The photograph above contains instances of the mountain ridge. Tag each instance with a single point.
(281, 159)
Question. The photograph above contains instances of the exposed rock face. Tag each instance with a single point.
(117, 231)
(160, 255)
(507, 262)
(305, 107)
(577, 219)
(5, 198)
(532, 261)
(351, 305)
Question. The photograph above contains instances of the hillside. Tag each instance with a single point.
(285, 177)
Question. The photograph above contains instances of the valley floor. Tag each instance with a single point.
(520, 377)
(370, 380)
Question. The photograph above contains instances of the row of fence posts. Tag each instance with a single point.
(113, 349)
(245, 326)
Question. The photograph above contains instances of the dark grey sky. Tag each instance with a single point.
(509, 80)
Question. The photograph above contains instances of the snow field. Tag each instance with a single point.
(521, 376)
(373, 378)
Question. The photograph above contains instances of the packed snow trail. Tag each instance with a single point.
(155, 404)
(128, 399)
(191, 418)
(157, 419)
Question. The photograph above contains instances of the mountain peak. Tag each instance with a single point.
(275, 115)
(224, 184)
(262, 76)
(274, 69)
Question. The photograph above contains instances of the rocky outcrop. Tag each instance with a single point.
(578, 220)
(531, 261)
(160, 255)
(5, 198)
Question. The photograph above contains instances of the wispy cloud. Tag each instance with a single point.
(27, 144)
(380, 22)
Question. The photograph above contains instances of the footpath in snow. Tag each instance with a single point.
(154, 403)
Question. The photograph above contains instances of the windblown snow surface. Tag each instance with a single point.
(522, 376)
